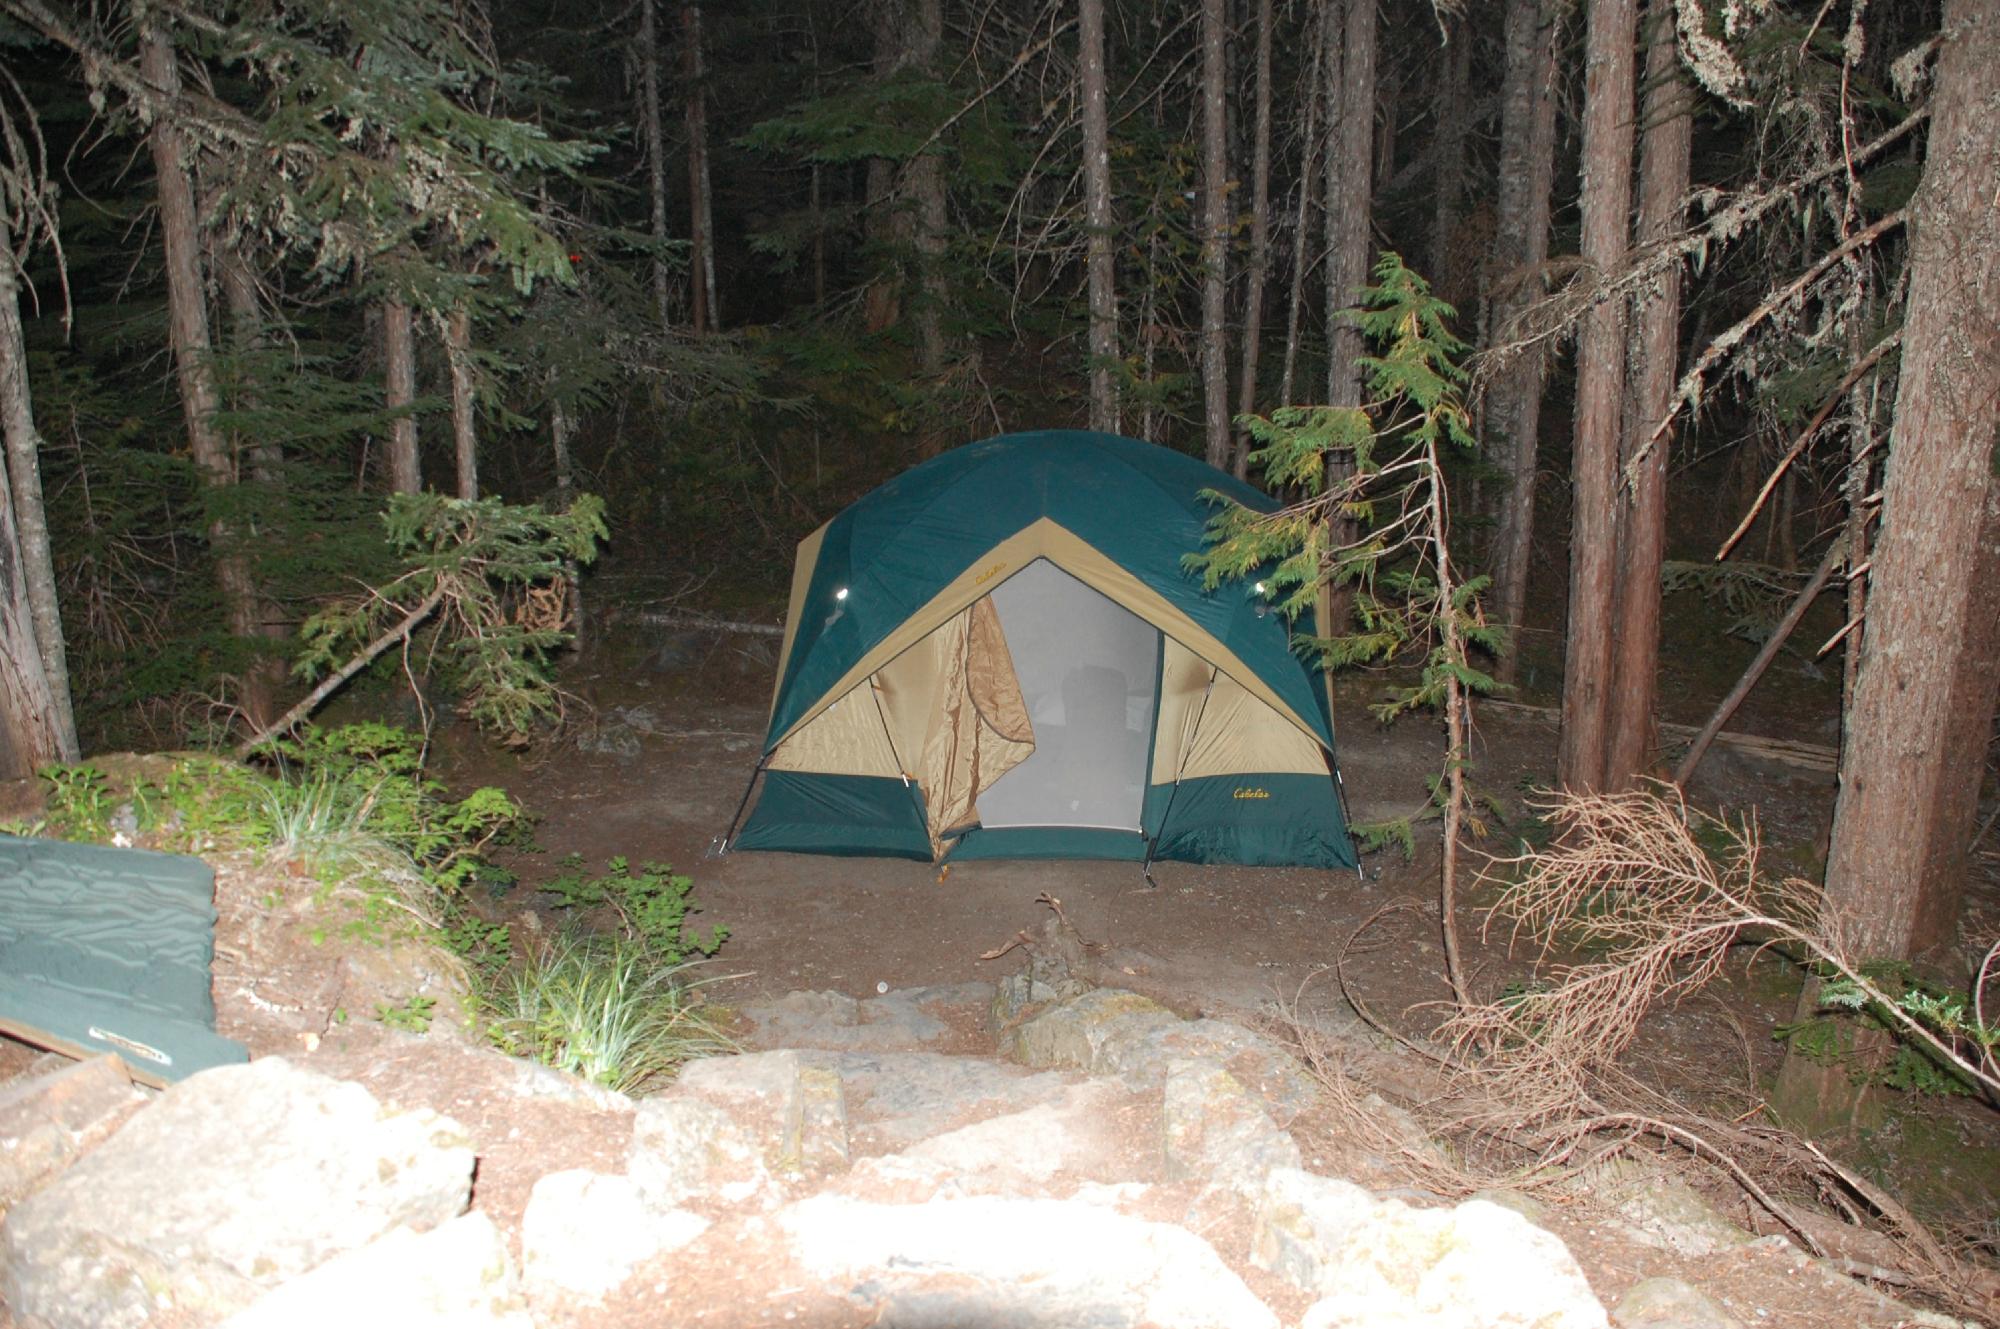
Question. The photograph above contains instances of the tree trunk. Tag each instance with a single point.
(464, 427)
(1214, 235)
(1099, 240)
(561, 428)
(1349, 194)
(923, 179)
(188, 334)
(37, 724)
(1308, 160)
(1453, 99)
(652, 126)
(1513, 403)
(1923, 703)
(399, 393)
(1260, 238)
(1600, 391)
(701, 207)
(1642, 535)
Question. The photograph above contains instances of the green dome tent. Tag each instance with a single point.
(999, 654)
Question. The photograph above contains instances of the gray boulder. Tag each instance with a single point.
(456, 1276)
(906, 1020)
(48, 1120)
(234, 1181)
(1018, 1263)
(795, 1111)
(1668, 1303)
(895, 1099)
(585, 1232)
(1218, 1132)
(684, 1146)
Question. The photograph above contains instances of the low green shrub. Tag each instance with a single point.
(651, 904)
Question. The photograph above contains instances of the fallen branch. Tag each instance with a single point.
(359, 661)
(656, 618)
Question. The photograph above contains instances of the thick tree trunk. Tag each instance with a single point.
(1600, 392)
(701, 207)
(924, 181)
(1923, 703)
(1453, 100)
(1349, 193)
(1308, 164)
(1260, 238)
(1642, 534)
(37, 724)
(464, 424)
(1512, 412)
(653, 127)
(1099, 262)
(188, 334)
(399, 393)
(1214, 235)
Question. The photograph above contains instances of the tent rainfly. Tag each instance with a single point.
(1000, 654)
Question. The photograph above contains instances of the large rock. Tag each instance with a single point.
(1107, 1031)
(234, 1181)
(685, 1146)
(47, 1121)
(1475, 1266)
(1659, 1210)
(906, 1020)
(1304, 1221)
(796, 1112)
(1019, 1263)
(1018, 1153)
(1668, 1303)
(894, 1099)
(456, 1276)
(1218, 1132)
(585, 1232)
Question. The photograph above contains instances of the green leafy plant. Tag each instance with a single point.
(652, 905)
(1876, 994)
(602, 1009)
(79, 802)
(412, 1015)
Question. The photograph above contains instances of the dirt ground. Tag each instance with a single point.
(1227, 940)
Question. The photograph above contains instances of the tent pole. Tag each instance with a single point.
(1180, 769)
(719, 847)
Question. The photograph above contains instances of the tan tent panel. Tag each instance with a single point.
(1045, 539)
(802, 575)
(1222, 729)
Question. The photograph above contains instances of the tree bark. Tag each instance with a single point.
(701, 206)
(653, 128)
(1349, 195)
(1214, 235)
(561, 428)
(1308, 162)
(399, 393)
(1453, 99)
(1099, 261)
(1642, 527)
(188, 334)
(1600, 390)
(464, 426)
(1513, 403)
(925, 183)
(1924, 699)
(1260, 239)
(37, 723)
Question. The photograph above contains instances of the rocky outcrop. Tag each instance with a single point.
(234, 1181)
(48, 1121)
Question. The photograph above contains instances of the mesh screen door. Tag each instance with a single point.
(1087, 669)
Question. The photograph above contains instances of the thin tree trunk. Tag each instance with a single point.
(1308, 161)
(1099, 262)
(1513, 403)
(653, 127)
(1214, 235)
(188, 334)
(1260, 239)
(37, 724)
(399, 393)
(464, 428)
(701, 208)
(1923, 704)
(1642, 535)
(924, 180)
(561, 428)
(1600, 391)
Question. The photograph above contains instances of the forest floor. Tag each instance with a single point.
(1260, 943)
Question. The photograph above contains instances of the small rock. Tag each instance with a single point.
(1668, 1303)
(233, 1181)
(51, 1119)
(584, 1232)
(1015, 994)
(533, 1080)
(681, 1146)
(1660, 1211)
(456, 1276)
(1217, 1131)
(1018, 1262)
